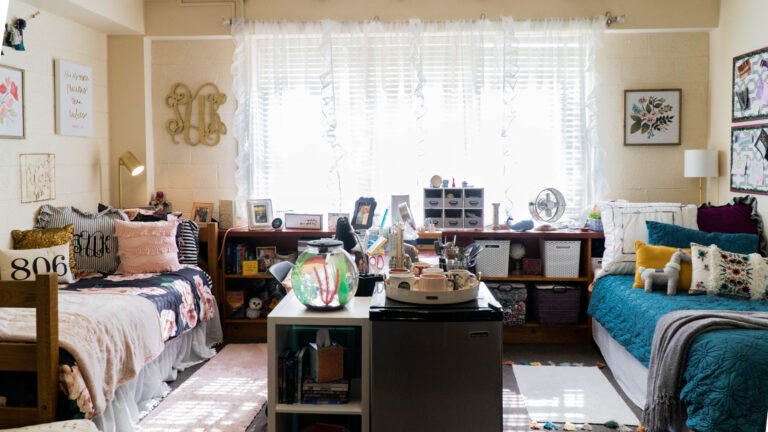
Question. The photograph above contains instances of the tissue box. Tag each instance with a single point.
(327, 363)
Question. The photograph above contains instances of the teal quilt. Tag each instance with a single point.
(726, 380)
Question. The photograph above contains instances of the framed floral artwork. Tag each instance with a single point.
(11, 102)
(652, 117)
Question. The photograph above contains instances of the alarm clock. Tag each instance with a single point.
(277, 223)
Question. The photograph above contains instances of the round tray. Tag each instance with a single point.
(432, 297)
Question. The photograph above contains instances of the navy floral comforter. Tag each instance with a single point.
(183, 298)
(726, 379)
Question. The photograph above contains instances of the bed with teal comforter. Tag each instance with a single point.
(726, 379)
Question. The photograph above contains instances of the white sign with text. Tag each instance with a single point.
(74, 99)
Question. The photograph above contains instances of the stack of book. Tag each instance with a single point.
(236, 253)
(295, 385)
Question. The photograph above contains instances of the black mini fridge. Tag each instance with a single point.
(436, 368)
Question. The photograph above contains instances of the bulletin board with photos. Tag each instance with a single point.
(749, 159)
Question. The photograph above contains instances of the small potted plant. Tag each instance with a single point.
(594, 222)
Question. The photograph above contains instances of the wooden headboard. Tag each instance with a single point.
(41, 357)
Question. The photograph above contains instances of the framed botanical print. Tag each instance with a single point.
(652, 117)
(11, 102)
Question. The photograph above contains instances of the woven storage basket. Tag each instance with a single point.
(512, 297)
(556, 304)
(493, 260)
(560, 258)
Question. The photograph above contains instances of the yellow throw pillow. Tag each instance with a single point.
(656, 257)
(45, 238)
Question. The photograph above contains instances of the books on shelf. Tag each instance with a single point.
(296, 386)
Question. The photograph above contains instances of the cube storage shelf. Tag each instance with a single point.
(453, 208)
(290, 326)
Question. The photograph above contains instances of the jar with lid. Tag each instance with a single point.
(324, 277)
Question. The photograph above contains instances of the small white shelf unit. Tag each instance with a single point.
(289, 315)
(454, 208)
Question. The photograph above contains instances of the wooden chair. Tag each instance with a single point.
(41, 357)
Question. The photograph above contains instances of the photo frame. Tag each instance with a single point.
(202, 212)
(749, 159)
(259, 213)
(362, 218)
(749, 95)
(266, 256)
(38, 177)
(652, 117)
(12, 118)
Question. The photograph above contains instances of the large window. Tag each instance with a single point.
(329, 112)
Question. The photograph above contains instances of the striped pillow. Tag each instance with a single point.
(187, 237)
(95, 244)
(147, 247)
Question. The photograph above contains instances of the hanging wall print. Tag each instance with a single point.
(652, 117)
(74, 99)
(749, 159)
(750, 86)
(11, 102)
(38, 177)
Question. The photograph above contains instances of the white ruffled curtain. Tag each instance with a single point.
(329, 111)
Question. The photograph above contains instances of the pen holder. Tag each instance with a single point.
(326, 363)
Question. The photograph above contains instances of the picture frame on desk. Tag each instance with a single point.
(333, 218)
(266, 256)
(259, 213)
(202, 212)
(362, 218)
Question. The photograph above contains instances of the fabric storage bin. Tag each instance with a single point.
(433, 203)
(512, 298)
(556, 304)
(493, 260)
(560, 258)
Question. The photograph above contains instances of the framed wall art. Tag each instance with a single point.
(74, 98)
(749, 159)
(750, 86)
(652, 117)
(38, 177)
(11, 102)
(259, 213)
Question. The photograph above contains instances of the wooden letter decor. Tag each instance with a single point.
(207, 128)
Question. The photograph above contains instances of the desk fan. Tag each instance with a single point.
(548, 206)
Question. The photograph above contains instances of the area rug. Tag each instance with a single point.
(223, 396)
(574, 394)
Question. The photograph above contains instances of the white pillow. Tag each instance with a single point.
(624, 223)
(25, 264)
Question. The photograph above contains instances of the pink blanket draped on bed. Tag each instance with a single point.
(111, 337)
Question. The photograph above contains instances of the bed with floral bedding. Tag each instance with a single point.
(172, 304)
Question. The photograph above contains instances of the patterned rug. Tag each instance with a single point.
(223, 396)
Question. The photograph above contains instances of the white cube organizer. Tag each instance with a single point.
(560, 258)
(493, 260)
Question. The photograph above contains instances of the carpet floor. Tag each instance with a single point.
(515, 414)
(223, 395)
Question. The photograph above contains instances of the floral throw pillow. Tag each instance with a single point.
(737, 275)
(701, 262)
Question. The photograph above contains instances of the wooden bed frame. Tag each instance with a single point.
(42, 357)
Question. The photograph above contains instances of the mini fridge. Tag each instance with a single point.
(436, 368)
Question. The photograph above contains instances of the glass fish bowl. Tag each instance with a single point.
(324, 277)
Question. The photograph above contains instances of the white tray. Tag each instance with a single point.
(432, 297)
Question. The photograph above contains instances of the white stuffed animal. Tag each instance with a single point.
(670, 274)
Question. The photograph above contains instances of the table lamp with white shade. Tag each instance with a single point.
(701, 163)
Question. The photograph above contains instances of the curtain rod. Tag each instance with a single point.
(610, 19)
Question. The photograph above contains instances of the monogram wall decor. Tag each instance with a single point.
(207, 127)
